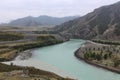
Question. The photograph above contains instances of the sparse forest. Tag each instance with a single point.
(101, 54)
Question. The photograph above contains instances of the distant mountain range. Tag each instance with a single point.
(102, 23)
(40, 21)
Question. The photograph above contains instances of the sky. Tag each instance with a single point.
(13, 9)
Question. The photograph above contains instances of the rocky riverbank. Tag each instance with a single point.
(24, 55)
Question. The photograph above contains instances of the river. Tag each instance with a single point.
(62, 57)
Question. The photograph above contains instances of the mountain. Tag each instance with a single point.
(102, 23)
(40, 21)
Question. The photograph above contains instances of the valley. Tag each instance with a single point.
(71, 47)
(14, 44)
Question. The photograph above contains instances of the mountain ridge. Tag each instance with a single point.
(42, 20)
(102, 23)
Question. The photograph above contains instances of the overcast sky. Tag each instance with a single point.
(13, 9)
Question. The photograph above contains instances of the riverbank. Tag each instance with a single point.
(10, 51)
(25, 55)
(80, 55)
(22, 51)
(25, 59)
(42, 66)
(13, 72)
(63, 60)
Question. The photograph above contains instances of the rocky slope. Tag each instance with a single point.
(102, 23)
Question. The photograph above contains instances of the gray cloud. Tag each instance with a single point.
(12, 9)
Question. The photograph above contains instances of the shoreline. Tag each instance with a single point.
(28, 50)
(23, 58)
(26, 61)
(42, 66)
(24, 55)
(76, 54)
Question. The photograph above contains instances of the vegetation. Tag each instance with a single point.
(10, 50)
(107, 42)
(10, 36)
(46, 37)
(28, 71)
(106, 55)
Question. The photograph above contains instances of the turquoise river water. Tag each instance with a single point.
(62, 57)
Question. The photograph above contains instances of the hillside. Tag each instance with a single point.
(102, 23)
(40, 21)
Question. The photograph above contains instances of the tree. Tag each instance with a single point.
(110, 54)
(116, 63)
(11, 64)
(93, 55)
(105, 56)
(98, 57)
(86, 56)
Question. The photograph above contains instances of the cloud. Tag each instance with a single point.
(12, 9)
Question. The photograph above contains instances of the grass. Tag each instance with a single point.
(10, 36)
(9, 54)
